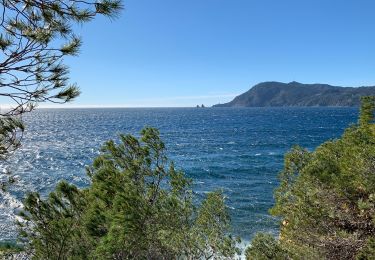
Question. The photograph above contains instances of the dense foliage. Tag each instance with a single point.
(35, 36)
(138, 206)
(326, 199)
(265, 246)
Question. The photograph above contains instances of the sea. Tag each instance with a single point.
(237, 150)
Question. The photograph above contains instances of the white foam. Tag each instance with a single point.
(9, 202)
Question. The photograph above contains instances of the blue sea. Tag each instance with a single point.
(238, 150)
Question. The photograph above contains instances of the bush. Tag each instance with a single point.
(264, 247)
(326, 198)
(8, 250)
(368, 251)
(138, 206)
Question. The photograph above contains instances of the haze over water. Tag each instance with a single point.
(239, 150)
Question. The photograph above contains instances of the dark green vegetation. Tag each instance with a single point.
(326, 199)
(276, 94)
(138, 206)
(35, 36)
(7, 250)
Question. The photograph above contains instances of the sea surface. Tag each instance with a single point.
(239, 150)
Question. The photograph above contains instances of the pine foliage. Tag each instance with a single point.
(326, 198)
(35, 36)
(138, 206)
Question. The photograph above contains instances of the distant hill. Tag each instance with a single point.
(277, 94)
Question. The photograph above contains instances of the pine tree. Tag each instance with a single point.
(35, 36)
(326, 198)
(138, 206)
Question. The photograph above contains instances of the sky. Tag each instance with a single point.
(169, 53)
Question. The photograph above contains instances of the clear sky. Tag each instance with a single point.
(183, 53)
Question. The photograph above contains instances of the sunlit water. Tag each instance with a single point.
(237, 150)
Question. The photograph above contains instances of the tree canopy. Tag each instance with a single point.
(35, 36)
(326, 198)
(138, 206)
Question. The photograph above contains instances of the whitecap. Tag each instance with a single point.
(8, 202)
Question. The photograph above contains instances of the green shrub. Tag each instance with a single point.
(326, 198)
(264, 247)
(368, 251)
(9, 249)
(138, 206)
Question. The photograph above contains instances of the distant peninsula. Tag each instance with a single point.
(277, 94)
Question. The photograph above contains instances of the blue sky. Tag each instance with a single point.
(183, 53)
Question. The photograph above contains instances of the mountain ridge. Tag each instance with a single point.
(278, 94)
